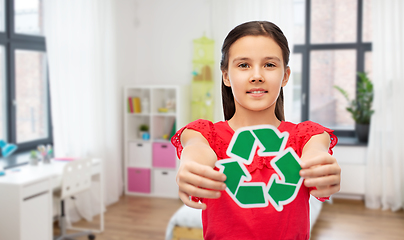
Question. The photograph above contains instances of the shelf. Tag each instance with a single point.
(142, 166)
(165, 114)
(139, 114)
(162, 140)
(139, 140)
(151, 114)
(164, 168)
(153, 161)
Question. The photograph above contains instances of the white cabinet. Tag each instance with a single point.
(352, 160)
(26, 209)
(150, 159)
(164, 182)
(36, 220)
(140, 154)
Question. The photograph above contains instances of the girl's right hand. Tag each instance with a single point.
(198, 180)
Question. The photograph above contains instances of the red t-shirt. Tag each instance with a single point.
(224, 219)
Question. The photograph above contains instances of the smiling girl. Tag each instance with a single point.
(254, 66)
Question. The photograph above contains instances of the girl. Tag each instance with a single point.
(254, 68)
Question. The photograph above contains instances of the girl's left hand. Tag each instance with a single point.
(321, 170)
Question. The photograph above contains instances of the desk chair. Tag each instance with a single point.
(76, 178)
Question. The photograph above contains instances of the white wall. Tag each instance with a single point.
(154, 39)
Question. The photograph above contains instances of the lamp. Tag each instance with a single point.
(7, 148)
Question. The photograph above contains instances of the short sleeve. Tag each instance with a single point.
(205, 127)
(307, 129)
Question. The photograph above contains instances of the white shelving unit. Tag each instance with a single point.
(151, 165)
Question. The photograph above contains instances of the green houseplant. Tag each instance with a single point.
(360, 107)
(143, 128)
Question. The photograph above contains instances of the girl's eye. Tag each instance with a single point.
(269, 65)
(243, 65)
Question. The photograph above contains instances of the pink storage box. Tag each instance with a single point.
(164, 155)
(139, 180)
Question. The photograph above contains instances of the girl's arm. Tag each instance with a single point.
(196, 174)
(319, 168)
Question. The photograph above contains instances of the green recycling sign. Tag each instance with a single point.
(282, 187)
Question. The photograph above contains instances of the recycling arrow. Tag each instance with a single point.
(246, 194)
(282, 187)
(235, 173)
(270, 140)
(246, 140)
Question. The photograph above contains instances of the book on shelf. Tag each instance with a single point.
(130, 105)
(134, 105)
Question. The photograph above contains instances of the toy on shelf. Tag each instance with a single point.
(7, 148)
(169, 106)
(202, 82)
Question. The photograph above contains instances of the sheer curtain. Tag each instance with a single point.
(84, 90)
(227, 14)
(385, 161)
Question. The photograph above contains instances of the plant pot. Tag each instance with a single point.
(141, 134)
(144, 135)
(362, 131)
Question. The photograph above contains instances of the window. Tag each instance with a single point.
(24, 102)
(332, 42)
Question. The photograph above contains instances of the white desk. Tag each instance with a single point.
(26, 206)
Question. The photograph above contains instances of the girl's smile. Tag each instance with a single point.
(256, 92)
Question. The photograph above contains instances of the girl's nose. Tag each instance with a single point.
(257, 77)
(258, 80)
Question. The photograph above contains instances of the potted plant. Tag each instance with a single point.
(144, 131)
(361, 107)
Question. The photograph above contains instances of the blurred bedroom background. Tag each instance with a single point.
(113, 79)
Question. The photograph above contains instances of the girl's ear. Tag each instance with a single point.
(286, 76)
(226, 80)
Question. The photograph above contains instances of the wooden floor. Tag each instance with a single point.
(135, 218)
(351, 220)
(142, 218)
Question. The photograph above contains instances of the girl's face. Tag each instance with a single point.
(256, 73)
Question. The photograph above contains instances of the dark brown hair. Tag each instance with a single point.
(254, 28)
